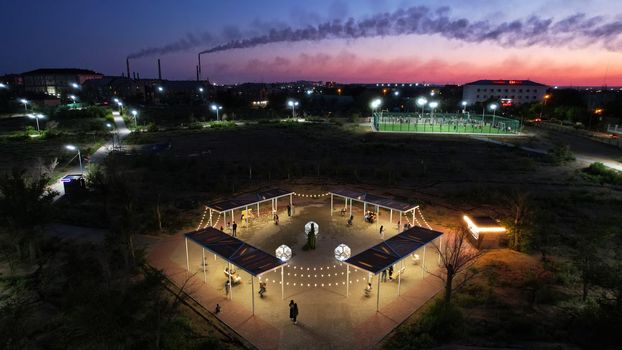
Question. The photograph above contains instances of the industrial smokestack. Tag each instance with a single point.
(159, 71)
(127, 65)
(197, 73)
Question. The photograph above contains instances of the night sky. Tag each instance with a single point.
(559, 42)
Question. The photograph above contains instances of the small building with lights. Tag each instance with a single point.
(485, 231)
(58, 82)
(509, 92)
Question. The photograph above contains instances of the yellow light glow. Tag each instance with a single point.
(476, 230)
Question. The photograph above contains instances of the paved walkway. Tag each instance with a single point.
(97, 157)
(328, 319)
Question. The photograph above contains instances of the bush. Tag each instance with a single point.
(599, 173)
(561, 154)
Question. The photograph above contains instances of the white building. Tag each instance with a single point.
(509, 92)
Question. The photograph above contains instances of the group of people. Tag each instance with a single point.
(371, 217)
(386, 272)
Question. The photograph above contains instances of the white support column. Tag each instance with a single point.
(258, 210)
(232, 217)
(291, 203)
(331, 204)
(246, 216)
(282, 285)
(210, 217)
(347, 280)
(423, 264)
(253, 292)
(224, 218)
(440, 248)
(378, 295)
(230, 284)
(350, 206)
(203, 263)
(399, 278)
(276, 204)
(390, 216)
(413, 218)
(364, 208)
(187, 261)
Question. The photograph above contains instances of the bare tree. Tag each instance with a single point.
(520, 205)
(456, 255)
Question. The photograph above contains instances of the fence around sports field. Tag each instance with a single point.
(446, 123)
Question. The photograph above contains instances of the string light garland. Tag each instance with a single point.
(319, 195)
(422, 217)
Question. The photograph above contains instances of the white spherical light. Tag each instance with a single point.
(342, 252)
(316, 227)
(284, 253)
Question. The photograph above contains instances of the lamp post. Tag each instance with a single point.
(109, 126)
(375, 104)
(421, 102)
(433, 106)
(464, 104)
(3, 86)
(493, 107)
(546, 98)
(36, 117)
(73, 99)
(25, 102)
(293, 104)
(216, 108)
(74, 148)
(75, 85)
(135, 115)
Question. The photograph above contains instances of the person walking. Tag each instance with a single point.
(382, 231)
(391, 272)
(289, 210)
(295, 313)
(227, 288)
(291, 310)
(384, 275)
(235, 228)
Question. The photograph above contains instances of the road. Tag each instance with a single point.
(97, 157)
(585, 150)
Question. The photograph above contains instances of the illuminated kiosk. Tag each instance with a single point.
(485, 231)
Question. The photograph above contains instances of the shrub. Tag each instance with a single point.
(599, 173)
(561, 154)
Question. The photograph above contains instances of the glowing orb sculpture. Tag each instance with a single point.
(312, 225)
(342, 252)
(284, 253)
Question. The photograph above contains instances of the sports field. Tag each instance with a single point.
(445, 123)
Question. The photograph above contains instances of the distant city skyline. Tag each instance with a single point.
(575, 42)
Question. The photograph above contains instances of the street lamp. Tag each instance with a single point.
(546, 98)
(135, 114)
(374, 104)
(120, 106)
(36, 117)
(421, 102)
(109, 126)
(293, 104)
(25, 102)
(493, 107)
(216, 108)
(75, 85)
(464, 104)
(160, 89)
(74, 148)
(201, 90)
(3, 86)
(396, 93)
(73, 98)
(433, 106)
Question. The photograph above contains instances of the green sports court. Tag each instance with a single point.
(445, 123)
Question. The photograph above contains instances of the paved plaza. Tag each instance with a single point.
(314, 279)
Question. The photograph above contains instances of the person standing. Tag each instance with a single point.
(291, 310)
(391, 272)
(234, 227)
(295, 313)
(382, 231)
(384, 275)
(289, 210)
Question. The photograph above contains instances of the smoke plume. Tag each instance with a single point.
(571, 31)
(578, 29)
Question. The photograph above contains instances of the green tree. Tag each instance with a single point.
(25, 207)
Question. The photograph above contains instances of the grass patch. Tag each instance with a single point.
(599, 173)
